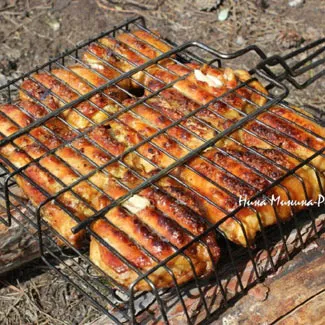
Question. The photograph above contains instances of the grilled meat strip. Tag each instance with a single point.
(55, 92)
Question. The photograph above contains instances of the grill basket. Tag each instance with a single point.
(239, 268)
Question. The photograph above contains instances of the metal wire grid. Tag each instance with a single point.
(114, 116)
(80, 271)
(97, 214)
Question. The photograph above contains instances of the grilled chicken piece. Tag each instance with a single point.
(138, 47)
(195, 92)
(158, 231)
(24, 150)
(277, 131)
(54, 90)
(207, 81)
(160, 243)
(116, 54)
(110, 51)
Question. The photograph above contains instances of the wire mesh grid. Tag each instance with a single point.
(126, 304)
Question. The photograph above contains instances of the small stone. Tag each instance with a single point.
(223, 14)
(230, 320)
(3, 79)
(53, 23)
(296, 3)
(240, 40)
(206, 5)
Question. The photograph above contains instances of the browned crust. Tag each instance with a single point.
(147, 228)
(176, 214)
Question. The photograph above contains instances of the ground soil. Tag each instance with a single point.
(32, 31)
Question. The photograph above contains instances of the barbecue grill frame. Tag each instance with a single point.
(262, 71)
(291, 72)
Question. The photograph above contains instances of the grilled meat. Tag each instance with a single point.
(54, 93)
(268, 130)
(158, 230)
(149, 227)
(188, 94)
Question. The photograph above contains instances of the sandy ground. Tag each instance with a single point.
(32, 31)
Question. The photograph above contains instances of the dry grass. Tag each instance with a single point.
(38, 296)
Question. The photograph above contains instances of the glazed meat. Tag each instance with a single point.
(158, 231)
(199, 88)
(125, 52)
(220, 175)
(148, 227)
(55, 90)
(268, 130)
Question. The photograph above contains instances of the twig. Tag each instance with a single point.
(102, 6)
(23, 24)
(10, 20)
(40, 35)
(38, 309)
(12, 13)
(27, 5)
(8, 7)
(40, 8)
(140, 6)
